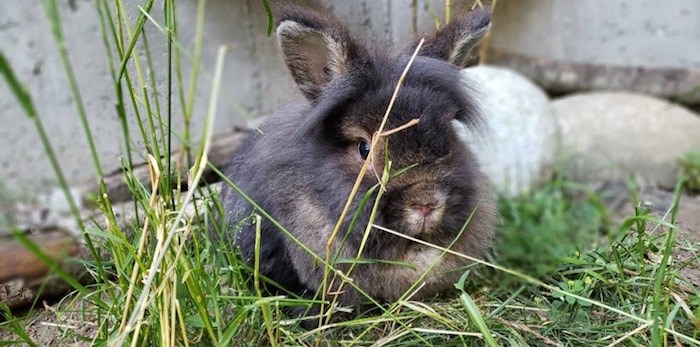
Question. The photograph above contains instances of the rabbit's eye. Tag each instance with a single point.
(363, 148)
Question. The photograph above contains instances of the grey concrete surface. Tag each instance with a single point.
(25, 38)
(644, 46)
(645, 33)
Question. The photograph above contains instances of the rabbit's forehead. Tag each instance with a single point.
(431, 93)
(430, 107)
(430, 86)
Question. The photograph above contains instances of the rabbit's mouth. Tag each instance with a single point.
(424, 215)
(421, 220)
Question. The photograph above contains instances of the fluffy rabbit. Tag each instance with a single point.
(302, 164)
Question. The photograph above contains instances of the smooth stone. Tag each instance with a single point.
(520, 144)
(610, 135)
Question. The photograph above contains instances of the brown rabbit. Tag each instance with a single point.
(302, 164)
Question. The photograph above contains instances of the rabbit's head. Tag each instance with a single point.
(349, 88)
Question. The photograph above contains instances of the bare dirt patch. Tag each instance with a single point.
(62, 324)
(618, 200)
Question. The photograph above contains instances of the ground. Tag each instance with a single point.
(58, 323)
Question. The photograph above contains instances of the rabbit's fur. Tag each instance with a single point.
(302, 164)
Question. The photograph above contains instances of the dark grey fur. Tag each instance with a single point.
(302, 166)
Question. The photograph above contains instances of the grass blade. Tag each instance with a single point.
(21, 93)
(477, 319)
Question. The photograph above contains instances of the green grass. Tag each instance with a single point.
(562, 271)
(690, 168)
(547, 225)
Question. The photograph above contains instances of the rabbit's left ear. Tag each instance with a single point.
(455, 41)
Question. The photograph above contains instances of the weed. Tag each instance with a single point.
(690, 167)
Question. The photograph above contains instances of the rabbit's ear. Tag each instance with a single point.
(316, 49)
(455, 41)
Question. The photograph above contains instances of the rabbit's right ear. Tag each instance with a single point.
(455, 41)
(316, 49)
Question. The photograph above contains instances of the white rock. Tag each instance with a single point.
(609, 135)
(520, 145)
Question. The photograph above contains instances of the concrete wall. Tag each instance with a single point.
(255, 80)
(644, 46)
(644, 33)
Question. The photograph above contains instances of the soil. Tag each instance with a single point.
(618, 200)
(61, 324)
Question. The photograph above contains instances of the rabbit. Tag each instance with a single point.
(300, 167)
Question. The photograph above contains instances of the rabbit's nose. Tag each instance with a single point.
(424, 210)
